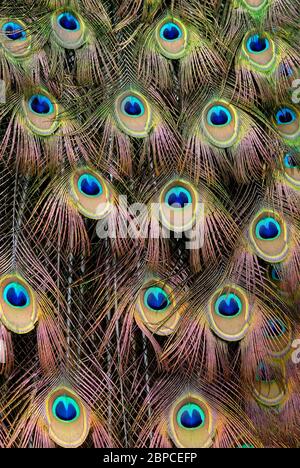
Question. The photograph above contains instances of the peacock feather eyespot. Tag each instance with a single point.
(66, 409)
(245, 445)
(157, 299)
(14, 38)
(155, 308)
(68, 28)
(275, 275)
(265, 373)
(255, 3)
(14, 31)
(191, 422)
(269, 386)
(286, 116)
(287, 123)
(259, 49)
(269, 236)
(41, 113)
(257, 44)
(255, 6)
(219, 116)
(132, 107)
(268, 229)
(68, 21)
(228, 305)
(290, 161)
(172, 38)
(90, 186)
(178, 206)
(67, 418)
(91, 193)
(191, 416)
(292, 169)
(41, 104)
(275, 328)
(170, 32)
(16, 295)
(229, 313)
(178, 197)
(220, 123)
(133, 114)
(18, 304)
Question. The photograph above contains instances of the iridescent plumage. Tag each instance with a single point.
(149, 224)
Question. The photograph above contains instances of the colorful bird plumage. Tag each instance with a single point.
(149, 223)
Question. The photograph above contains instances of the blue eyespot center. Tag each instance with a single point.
(275, 274)
(89, 185)
(170, 32)
(133, 107)
(245, 446)
(68, 21)
(40, 104)
(219, 116)
(228, 305)
(275, 328)
(290, 161)
(285, 69)
(157, 299)
(14, 31)
(15, 295)
(66, 409)
(268, 229)
(178, 197)
(191, 416)
(286, 116)
(257, 44)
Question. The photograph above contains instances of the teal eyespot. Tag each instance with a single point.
(286, 116)
(275, 328)
(265, 373)
(66, 409)
(69, 29)
(245, 446)
(170, 32)
(219, 116)
(134, 114)
(190, 417)
(257, 44)
(41, 112)
(14, 31)
(41, 105)
(228, 305)
(268, 229)
(68, 21)
(15, 295)
(220, 121)
(156, 299)
(172, 38)
(178, 197)
(132, 107)
(255, 8)
(285, 70)
(155, 308)
(90, 186)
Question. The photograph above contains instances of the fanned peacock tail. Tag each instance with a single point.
(149, 223)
